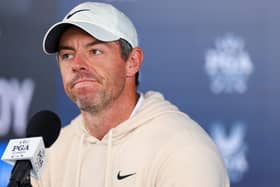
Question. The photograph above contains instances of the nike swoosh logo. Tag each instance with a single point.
(120, 177)
(70, 15)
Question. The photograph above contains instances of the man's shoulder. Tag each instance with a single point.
(180, 130)
(72, 127)
(69, 132)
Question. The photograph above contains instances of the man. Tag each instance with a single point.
(122, 138)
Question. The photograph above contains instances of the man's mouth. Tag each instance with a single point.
(83, 82)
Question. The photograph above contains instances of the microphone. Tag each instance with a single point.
(28, 154)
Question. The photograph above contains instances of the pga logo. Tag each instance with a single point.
(21, 146)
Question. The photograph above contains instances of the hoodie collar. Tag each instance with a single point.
(148, 106)
(138, 104)
(91, 139)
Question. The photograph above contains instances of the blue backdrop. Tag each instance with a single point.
(217, 60)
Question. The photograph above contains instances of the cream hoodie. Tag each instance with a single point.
(159, 146)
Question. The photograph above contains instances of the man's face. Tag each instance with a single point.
(93, 72)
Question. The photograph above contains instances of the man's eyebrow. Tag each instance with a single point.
(66, 47)
(95, 42)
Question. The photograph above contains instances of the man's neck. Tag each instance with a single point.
(99, 124)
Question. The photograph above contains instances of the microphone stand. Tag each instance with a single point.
(26, 182)
(20, 179)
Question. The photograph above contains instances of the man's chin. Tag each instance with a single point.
(86, 104)
(87, 108)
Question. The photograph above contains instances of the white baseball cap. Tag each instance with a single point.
(100, 20)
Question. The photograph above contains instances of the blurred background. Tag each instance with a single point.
(218, 61)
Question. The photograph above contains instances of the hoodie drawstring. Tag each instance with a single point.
(79, 161)
(108, 160)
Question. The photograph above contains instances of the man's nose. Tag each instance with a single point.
(80, 63)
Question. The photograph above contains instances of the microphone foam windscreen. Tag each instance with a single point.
(46, 124)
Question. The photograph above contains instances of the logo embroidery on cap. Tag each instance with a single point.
(70, 15)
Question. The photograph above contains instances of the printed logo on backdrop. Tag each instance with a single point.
(228, 65)
(232, 147)
(15, 100)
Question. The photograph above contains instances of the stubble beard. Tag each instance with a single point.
(87, 103)
(98, 102)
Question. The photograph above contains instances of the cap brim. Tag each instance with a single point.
(51, 39)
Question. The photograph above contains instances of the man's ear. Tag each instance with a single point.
(134, 61)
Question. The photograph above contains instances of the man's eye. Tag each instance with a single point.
(66, 56)
(96, 51)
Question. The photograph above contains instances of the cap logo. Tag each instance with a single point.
(70, 15)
